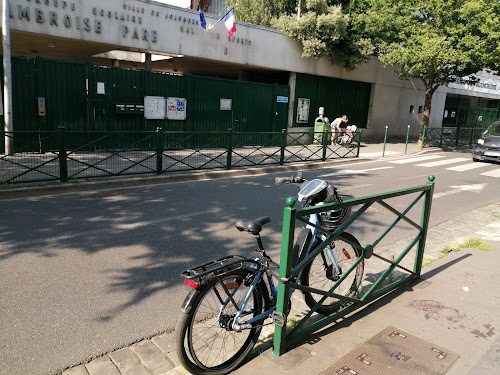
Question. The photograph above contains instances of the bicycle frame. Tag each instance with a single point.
(314, 222)
(237, 326)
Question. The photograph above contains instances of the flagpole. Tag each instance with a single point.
(211, 26)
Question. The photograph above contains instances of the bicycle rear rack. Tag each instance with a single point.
(219, 267)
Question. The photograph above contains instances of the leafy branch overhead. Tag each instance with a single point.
(433, 40)
(322, 27)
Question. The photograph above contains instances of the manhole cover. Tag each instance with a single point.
(394, 351)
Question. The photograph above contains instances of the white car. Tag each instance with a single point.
(488, 146)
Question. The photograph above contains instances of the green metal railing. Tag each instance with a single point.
(70, 155)
(292, 215)
(451, 137)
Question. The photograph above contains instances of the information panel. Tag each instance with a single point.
(176, 108)
(154, 107)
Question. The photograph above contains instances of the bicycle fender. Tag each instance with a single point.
(301, 246)
(187, 305)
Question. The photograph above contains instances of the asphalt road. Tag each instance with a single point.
(85, 273)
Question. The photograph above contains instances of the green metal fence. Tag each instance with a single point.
(72, 99)
(70, 155)
(451, 137)
(369, 291)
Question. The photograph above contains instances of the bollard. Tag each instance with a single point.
(423, 138)
(385, 139)
(407, 134)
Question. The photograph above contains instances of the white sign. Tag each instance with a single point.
(303, 110)
(100, 88)
(176, 108)
(154, 107)
(225, 104)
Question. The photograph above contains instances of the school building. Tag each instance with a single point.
(140, 64)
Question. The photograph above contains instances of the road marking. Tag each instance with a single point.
(493, 173)
(467, 167)
(351, 171)
(119, 228)
(421, 158)
(371, 154)
(491, 236)
(457, 189)
(443, 162)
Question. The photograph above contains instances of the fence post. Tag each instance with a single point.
(424, 223)
(289, 213)
(458, 136)
(442, 135)
(284, 136)
(472, 135)
(159, 151)
(325, 144)
(359, 143)
(63, 162)
(385, 139)
(229, 148)
(423, 138)
(407, 135)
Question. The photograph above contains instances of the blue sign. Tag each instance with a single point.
(282, 99)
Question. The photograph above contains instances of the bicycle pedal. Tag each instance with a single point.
(279, 319)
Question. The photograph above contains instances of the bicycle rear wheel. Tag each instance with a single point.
(321, 274)
(205, 340)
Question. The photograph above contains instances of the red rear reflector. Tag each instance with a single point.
(192, 284)
(232, 286)
(346, 254)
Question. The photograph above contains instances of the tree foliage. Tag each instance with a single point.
(261, 12)
(321, 26)
(432, 39)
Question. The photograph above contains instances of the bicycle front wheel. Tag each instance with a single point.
(322, 274)
(206, 342)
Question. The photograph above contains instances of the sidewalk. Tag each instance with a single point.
(367, 151)
(454, 306)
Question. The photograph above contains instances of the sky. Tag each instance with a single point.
(179, 3)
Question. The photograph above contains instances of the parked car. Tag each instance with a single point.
(488, 146)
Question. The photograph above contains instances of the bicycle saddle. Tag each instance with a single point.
(252, 226)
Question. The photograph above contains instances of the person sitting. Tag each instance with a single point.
(347, 137)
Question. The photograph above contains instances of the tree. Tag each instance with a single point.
(435, 41)
(261, 12)
(321, 26)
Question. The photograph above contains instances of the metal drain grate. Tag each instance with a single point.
(394, 351)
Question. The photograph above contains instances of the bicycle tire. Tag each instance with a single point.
(319, 275)
(203, 345)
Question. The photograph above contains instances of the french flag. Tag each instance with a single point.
(228, 20)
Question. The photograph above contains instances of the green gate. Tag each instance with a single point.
(336, 96)
(86, 97)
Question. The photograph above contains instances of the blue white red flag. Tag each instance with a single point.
(203, 22)
(228, 20)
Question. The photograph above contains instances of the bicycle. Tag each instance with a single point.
(231, 297)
